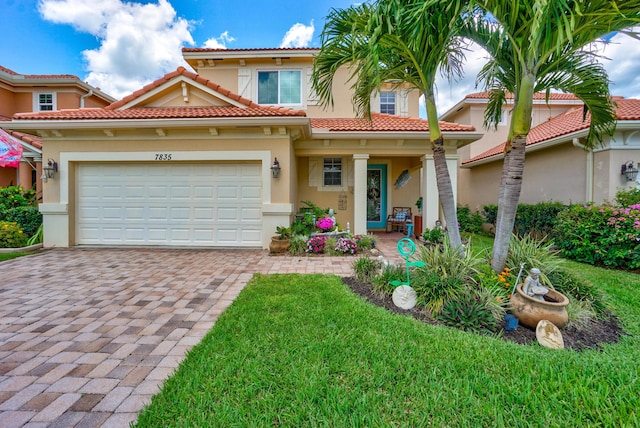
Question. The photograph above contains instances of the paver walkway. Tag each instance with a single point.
(87, 336)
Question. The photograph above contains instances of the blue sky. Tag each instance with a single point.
(120, 46)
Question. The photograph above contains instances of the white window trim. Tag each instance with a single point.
(316, 174)
(395, 102)
(267, 70)
(36, 100)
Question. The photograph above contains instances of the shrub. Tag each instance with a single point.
(28, 217)
(446, 261)
(579, 289)
(434, 291)
(36, 238)
(365, 268)
(316, 245)
(435, 235)
(628, 197)
(602, 235)
(382, 282)
(330, 243)
(298, 244)
(346, 246)
(11, 236)
(468, 313)
(533, 219)
(533, 254)
(469, 222)
(14, 197)
(365, 242)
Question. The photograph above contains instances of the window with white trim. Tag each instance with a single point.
(388, 102)
(45, 102)
(332, 172)
(280, 87)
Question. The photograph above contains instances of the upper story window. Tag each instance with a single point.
(44, 102)
(388, 102)
(280, 87)
(332, 172)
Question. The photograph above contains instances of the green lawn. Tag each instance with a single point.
(302, 350)
(9, 256)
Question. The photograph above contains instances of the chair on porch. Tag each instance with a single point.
(399, 219)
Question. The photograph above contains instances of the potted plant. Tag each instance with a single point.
(281, 242)
(417, 219)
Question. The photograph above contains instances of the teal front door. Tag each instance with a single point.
(376, 196)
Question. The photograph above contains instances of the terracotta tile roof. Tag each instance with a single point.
(536, 96)
(27, 138)
(6, 70)
(158, 113)
(565, 124)
(382, 123)
(5, 118)
(181, 71)
(39, 76)
(246, 49)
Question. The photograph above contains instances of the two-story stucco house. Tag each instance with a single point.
(557, 167)
(188, 160)
(34, 93)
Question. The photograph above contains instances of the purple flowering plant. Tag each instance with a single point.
(325, 224)
(346, 246)
(316, 245)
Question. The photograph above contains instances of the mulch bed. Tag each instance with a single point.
(592, 336)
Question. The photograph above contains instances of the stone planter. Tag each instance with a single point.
(530, 311)
(278, 245)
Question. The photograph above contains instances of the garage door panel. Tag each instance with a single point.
(169, 204)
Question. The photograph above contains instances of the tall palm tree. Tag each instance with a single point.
(540, 45)
(406, 41)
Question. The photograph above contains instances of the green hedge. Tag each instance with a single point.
(537, 220)
(469, 222)
(29, 218)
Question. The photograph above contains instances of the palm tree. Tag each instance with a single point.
(406, 41)
(539, 45)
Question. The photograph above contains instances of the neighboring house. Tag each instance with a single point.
(188, 160)
(21, 93)
(557, 167)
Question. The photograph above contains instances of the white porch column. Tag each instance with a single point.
(360, 194)
(452, 166)
(430, 199)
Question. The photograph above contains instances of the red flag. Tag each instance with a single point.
(10, 150)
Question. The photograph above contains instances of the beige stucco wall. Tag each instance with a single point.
(7, 100)
(405, 197)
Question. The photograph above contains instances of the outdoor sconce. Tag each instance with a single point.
(629, 171)
(275, 168)
(50, 170)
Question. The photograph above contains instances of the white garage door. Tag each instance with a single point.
(169, 204)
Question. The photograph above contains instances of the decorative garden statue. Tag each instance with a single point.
(532, 285)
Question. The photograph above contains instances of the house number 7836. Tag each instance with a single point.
(163, 156)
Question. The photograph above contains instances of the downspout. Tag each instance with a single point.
(589, 169)
(87, 95)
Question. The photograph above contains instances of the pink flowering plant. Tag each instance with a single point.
(316, 245)
(600, 235)
(346, 246)
(325, 224)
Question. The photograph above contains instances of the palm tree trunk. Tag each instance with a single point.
(443, 180)
(512, 171)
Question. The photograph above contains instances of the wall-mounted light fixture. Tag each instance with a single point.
(49, 171)
(629, 171)
(275, 168)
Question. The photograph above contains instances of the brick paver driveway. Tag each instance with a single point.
(87, 336)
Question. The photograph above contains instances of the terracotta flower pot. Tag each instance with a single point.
(530, 311)
(278, 245)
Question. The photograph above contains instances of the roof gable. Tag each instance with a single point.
(565, 124)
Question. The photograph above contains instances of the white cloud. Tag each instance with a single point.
(623, 65)
(450, 93)
(298, 36)
(138, 42)
(219, 42)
